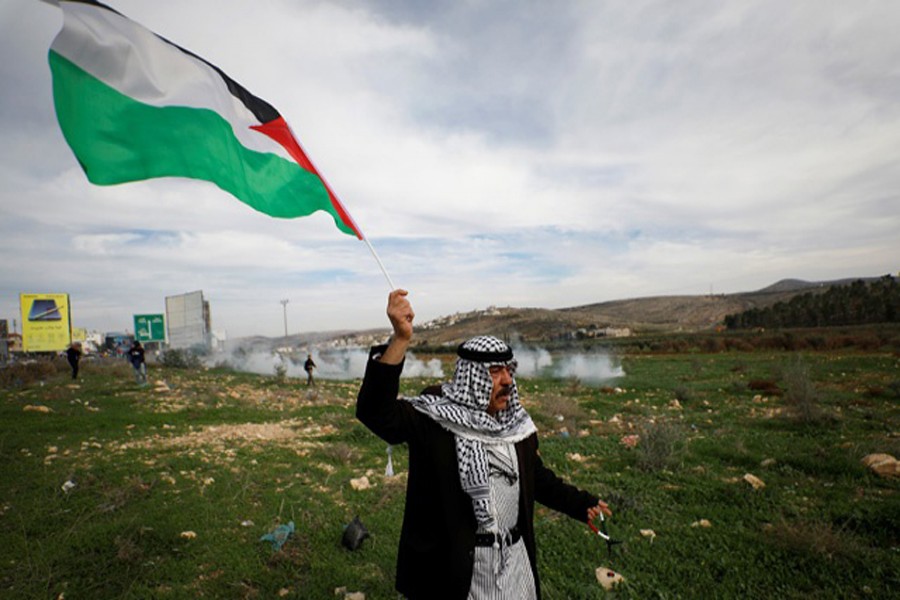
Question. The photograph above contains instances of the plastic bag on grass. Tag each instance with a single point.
(278, 536)
(354, 534)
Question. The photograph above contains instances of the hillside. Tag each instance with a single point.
(655, 314)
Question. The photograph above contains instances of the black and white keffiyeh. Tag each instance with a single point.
(462, 410)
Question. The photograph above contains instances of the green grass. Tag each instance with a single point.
(229, 456)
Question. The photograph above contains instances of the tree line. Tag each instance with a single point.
(859, 303)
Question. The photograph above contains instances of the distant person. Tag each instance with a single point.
(308, 366)
(136, 356)
(73, 355)
(474, 471)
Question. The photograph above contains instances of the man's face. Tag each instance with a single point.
(502, 388)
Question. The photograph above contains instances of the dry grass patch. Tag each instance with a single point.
(816, 538)
(219, 436)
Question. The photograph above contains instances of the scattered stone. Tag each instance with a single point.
(608, 578)
(283, 592)
(360, 483)
(630, 441)
(188, 535)
(576, 457)
(648, 533)
(675, 404)
(755, 482)
(68, 486)
(883, 465)
(702, 523)
(37, 408)
(767, 462)
(247, 523)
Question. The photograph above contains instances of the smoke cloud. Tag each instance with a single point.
(591, 368)
(337, 364)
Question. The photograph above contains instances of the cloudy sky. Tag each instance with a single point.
(543, 154)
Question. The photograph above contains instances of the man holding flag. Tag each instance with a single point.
(474, 471)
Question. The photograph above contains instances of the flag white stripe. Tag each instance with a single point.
(135, 62)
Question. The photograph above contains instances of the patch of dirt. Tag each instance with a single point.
(282, 432)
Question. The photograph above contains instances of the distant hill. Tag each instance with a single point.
(798, 285)
(655, 314)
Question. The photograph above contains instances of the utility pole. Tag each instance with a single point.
(284, 304)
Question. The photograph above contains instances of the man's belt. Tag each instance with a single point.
(489, 539)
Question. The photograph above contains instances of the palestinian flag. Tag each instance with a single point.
(134, 106)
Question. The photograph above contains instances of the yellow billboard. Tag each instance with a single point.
(45, 322)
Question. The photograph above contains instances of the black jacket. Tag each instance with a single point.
(437, 541)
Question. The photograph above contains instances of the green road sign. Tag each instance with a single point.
(149, 328)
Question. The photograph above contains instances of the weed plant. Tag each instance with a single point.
(801, 398)
(659, 444)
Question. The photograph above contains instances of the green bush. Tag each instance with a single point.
(801, 398)
(27, 372)
(180, 359)
(659, 446)
(280, 372)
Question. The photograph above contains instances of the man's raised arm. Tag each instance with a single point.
(401, 314)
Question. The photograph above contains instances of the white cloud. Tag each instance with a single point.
(496, 153)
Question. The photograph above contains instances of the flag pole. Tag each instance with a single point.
(380, 264)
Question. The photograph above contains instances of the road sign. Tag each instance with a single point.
(150, 328)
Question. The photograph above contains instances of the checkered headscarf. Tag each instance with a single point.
(462, 410)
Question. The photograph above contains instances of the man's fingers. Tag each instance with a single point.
(602, 507)
(397, 294)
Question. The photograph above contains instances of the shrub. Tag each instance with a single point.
(27, 372)
(180, 359)
(815, 538)
(683, 394)
(280, 372)
(801, 398)
(659, 446)
(766, 386)
(893, 388)
(554, 406)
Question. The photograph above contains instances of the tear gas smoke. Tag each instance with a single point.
(340, 364)
(592, 368)
(588, 367)
(350, 363)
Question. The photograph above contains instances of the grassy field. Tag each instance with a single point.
(169, 487)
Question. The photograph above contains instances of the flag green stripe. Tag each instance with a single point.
(117, 139)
